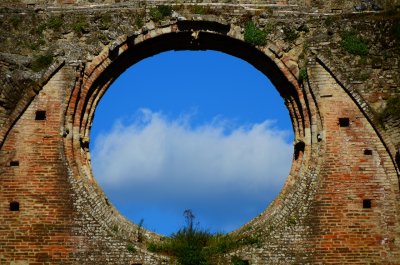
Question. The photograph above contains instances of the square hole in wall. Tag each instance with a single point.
(14, 206)
(344, 122)
(367, 203)
(368, 152)
(14, 163)
(40, 115)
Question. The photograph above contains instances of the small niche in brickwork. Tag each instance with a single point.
(14, 206)
(368, 152)
(398, 158)
(367, 203)
(40, 115)
(14, 163)
(344, 122)
(299, 149)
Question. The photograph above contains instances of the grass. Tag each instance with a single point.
(254, 35)
(37, 44)
(55, 23)
(193, 246)
(354, 44)
(41, 62)
(80, 25)
(15, 21)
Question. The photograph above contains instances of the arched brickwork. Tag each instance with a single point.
(339, 205)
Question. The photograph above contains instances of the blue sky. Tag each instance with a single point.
(198, 130)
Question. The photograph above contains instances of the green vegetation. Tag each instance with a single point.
(131, 248)
(303, 75)
(36, 45)
(254, 35)
(41, 62)
(55, 23)
(192, 246)
(290, 35)
(354, 44)
(159, 12)
(139, 21)
(238, 261)
(292, 221)
(105, 19)
(396, 30)
(80, 25)
(392, 108)
(197, 10)
(15, 21)
(269, 27)
(115, 228)
(329, 21)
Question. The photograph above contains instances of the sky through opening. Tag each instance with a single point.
(199, 130)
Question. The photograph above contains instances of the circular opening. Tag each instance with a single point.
(200, 130)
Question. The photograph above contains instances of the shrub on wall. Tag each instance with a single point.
(41, 62)
(354, 44)
(159, 12)
(254, 35)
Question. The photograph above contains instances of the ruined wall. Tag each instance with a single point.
(340, 203)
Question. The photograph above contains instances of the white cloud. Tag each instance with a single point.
(158, 161)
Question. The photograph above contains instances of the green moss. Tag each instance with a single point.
(354, 44)
(254, 35)
(41, 62)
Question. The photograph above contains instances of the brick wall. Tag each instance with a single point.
(340, 203)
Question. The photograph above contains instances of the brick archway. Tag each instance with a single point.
(339, 203)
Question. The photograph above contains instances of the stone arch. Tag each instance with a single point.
(318, 216)
(97, 76)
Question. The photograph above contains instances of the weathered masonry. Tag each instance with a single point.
(335, 64)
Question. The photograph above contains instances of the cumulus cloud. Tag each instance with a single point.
(224, 173)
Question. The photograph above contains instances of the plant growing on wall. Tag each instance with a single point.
(254, 35)
(354, 44)
(159, 12)
(194, 246)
